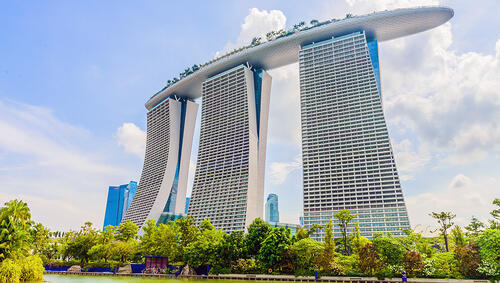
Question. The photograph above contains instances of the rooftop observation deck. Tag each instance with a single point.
(380, 26)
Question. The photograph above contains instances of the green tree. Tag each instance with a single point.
(444, 220)
(369, 260)
(148, 246)
(357, 240)
(231, 248)
(203, 249)
(489, 244)
(307, 252)
(458, 237)
(390, 248)
(303, 233)
(344, 217)
(166, 240)
(475, 227)
(124, 249)
(257, 233)
(79, 244)
(15, 219)
(496, 212)
(276, 243)
(187, 230)
(127, 231)
(326, 261)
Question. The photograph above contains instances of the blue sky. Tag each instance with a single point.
(74, 77)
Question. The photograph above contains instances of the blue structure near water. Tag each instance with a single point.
(272, 212)
(119, 200)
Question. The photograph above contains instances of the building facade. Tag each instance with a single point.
(272, 211)
(118, 202)
(228, 184)
(163, 184)
(348, 161)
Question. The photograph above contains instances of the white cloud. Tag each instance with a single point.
(61, 170)
(368, 6)
(132, 139)
(279, 171)
(463, 196)
(409, 160)
(257, 24)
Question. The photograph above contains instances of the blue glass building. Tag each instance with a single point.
(119, 200)
(272, 213)
(187, 205)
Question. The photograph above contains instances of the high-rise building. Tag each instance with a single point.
(228, 184)
(162, 188)
(347, 156)
(272, 212)
(118, 202)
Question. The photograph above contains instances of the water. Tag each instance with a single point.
(117, 279)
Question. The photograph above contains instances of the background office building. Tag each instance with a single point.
(119, 199)
(272, 212)
(228, 184)
(347, 157)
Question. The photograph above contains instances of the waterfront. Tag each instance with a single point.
(54, 278)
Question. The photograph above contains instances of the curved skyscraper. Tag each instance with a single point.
(347, 157)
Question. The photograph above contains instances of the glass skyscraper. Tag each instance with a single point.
(119, 200)
(272, 212)
(347, 156)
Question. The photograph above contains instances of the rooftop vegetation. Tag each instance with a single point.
(256, 41)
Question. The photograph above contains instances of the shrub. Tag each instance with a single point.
(413, 263)
(369, 260)
(31, 268)
(468, 259)
(349, 264)
(244, 266)
(307, 252)
(10, 271)
(441, 265)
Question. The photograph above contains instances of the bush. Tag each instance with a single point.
(369, 260)
(349, 264)
(10, 271)
(31, 268)
(303, 272)
(244, 266)
(441, 265)
(413, 263)
(220, 270)
(468, 259)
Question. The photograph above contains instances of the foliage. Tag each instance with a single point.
(273, 246)
(326, 261)
(303, 233)
(458, 237)
(10, 271)
(124, 249)
(307, 252)
(413, 263)
(187, 231)
(79, 244)
(390, 249)
(475, 227)
(349, 264)
(166, 241)
(489, 244)
(357, 240)
(444, 220)
(31, 268)
(15, 220)
(468, 260)
(344, 216)
(231, 248)
(244, 266)
(203, 250)
(441, 265)
(496, 212)
(257, 233)
(127, 231)
(369, 260)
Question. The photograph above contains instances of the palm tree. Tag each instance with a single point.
(17, 210)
